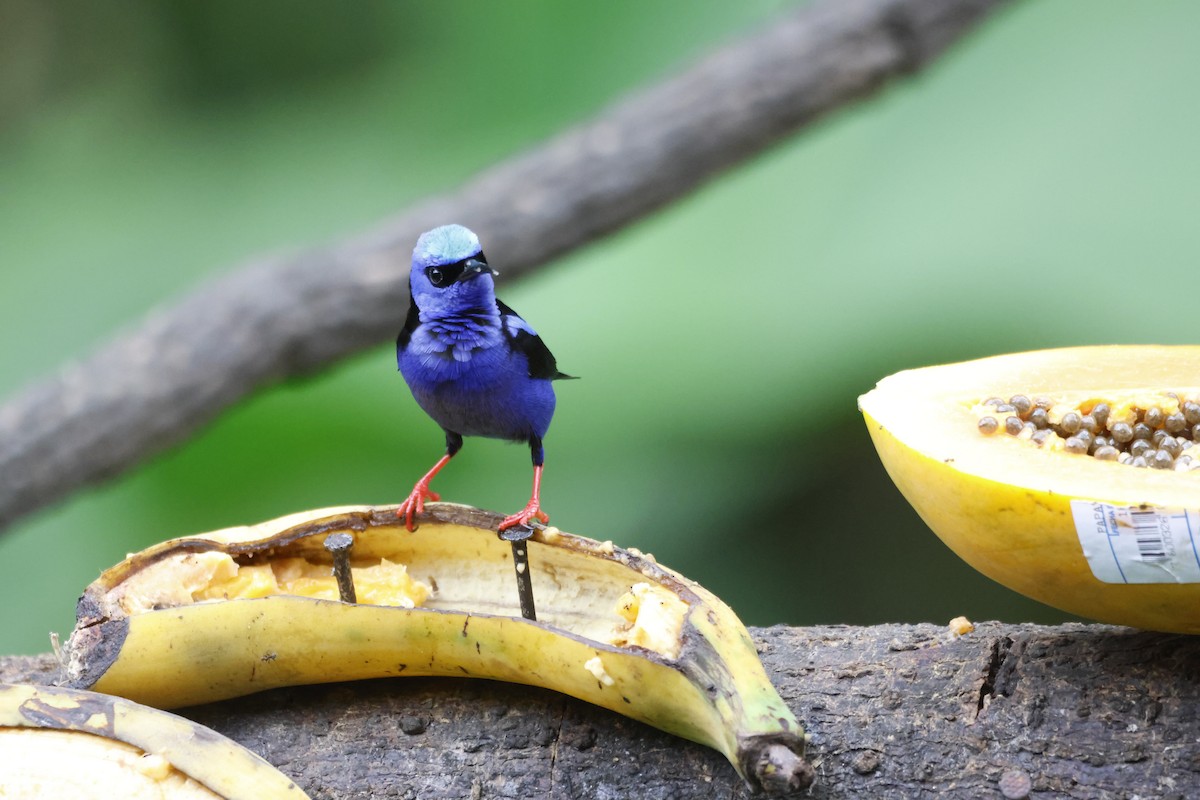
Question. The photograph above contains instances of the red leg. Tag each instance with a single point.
(532, 509)
(415, 504)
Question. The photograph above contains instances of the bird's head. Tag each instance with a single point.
(450, 273)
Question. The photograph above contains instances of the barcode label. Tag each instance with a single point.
(1139, 544)
(1152, 540)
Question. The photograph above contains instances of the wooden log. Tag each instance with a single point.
(1076, 711)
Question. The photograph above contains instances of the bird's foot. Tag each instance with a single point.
(415, 504)
(524, 516)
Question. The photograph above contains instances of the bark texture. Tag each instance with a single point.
(289, 315)
(894, 711)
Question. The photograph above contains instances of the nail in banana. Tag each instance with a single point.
(241, 610)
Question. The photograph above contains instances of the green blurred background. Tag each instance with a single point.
(1037, 187)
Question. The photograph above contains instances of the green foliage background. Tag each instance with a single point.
(1037, 187)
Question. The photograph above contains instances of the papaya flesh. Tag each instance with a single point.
(1095, 537)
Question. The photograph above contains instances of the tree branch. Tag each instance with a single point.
(894, 711)
(157, 382)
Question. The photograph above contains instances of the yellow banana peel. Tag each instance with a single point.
(241, 610)
(65, 743)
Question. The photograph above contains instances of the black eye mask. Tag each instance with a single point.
(443, 276)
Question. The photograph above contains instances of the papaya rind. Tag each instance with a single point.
(1004, 506)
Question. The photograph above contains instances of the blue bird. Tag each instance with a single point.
(472, 363)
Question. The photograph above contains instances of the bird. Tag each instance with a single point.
(472, 363)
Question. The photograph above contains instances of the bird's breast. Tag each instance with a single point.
(474, 359)
(485, 392)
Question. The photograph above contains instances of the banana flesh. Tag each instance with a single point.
(246, 609)
(63, 743)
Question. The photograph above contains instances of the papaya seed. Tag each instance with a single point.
(1122, 432)
(1143, 433)
(1191, 413)
(1070, 422)
(1075, 445)
(1022, 404)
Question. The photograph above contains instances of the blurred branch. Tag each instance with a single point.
(154, 384)
(1077, 711)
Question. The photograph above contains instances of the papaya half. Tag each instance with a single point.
(1071, 476)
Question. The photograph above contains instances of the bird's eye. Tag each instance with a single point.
(446, 274)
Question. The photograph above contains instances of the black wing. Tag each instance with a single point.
(410, 324)
(522, 339)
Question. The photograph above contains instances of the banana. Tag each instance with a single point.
(241, 610)
(74, 744)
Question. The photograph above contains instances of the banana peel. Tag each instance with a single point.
(74, 744)
(242, 610)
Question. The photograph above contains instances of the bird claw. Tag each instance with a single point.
(415, 504)
(523, 517)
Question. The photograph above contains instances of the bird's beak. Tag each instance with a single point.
(474, 267)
